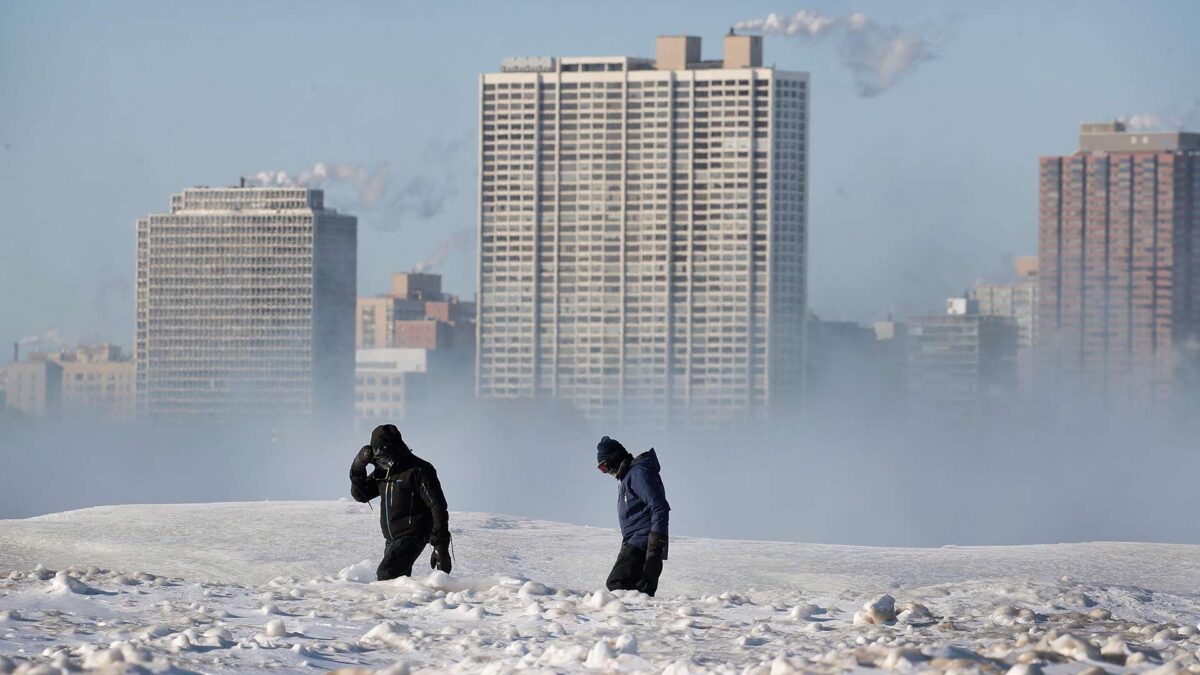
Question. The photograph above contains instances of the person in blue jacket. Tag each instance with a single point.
(643, 512)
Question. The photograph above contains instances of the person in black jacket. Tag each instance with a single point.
(643, 513)
(412, 507)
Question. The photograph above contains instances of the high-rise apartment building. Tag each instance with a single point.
(642, 232)
(1119, 257)
(245, 306)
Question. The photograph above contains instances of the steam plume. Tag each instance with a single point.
(878, 55)
(459, 241)
(51, 341)
(1174, 118)
(369, 184)
(379, 199)
(802, 23)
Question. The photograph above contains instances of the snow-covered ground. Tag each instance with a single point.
(257, 587)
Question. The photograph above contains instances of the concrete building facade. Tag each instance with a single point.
(98, 381)
(643, 233)
(245, 301)
(1119, 258)
(33, 388)
(417, 314)
(389, 384)
(1017, 301)
(962, 361)
(416, 350)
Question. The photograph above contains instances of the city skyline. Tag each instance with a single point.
(108, 134)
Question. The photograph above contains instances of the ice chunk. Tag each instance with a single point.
(1074, 647)
(626, 643)
(181, 643)
(533, 588)
(65, 583)
(1115, 647)
(360, 573)
(601, 654)
(804, 611)
(387, 632)
(881, 610)
(914, 612)
(599, 600)
(1004, 616)
(275, 629)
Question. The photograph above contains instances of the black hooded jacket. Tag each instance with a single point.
(411, 500)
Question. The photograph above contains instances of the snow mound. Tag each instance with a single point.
(362, 572)
(65, 583)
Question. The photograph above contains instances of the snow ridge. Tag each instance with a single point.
(718, 612)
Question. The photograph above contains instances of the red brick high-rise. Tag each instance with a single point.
(1119, 258)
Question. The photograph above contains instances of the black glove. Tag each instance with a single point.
(656, 553)
(440, 559)
(358, 468)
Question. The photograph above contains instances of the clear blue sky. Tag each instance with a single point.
(106, 109)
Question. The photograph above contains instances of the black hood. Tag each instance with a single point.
(387, 443)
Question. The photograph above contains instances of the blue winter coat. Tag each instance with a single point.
(642, 505)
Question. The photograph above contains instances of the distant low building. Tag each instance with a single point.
(850, 364)
(99, 382)
(1016, 300)
(33, 387)
(961, 362)
(388, 383)
(404, 317)
(95, 381)
(416, 347)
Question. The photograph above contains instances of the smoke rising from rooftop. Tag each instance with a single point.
(459, 241)
(1173, 118)
(379, 199)
(878, 55)
(804, 23)
(370, 185)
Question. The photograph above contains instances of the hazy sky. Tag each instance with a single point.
(106, 109)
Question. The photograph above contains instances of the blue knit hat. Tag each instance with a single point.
(607, 448)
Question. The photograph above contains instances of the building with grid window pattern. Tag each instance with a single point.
(1119, 261)
(642, 233)
(245, 306)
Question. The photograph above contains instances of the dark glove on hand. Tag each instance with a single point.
(440, 558)
(358, 468)
(656, 552)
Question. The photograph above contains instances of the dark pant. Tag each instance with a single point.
(630, 572)
(399, 556)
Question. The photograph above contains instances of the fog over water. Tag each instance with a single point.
(835, 474)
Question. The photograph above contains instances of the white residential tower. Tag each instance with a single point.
(643, 233)
(245, 306)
